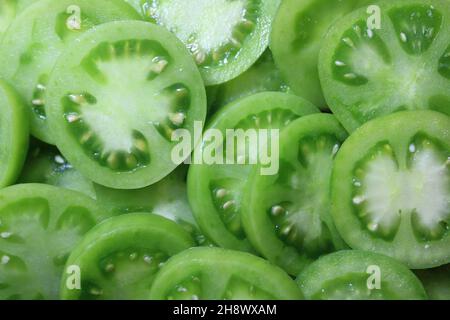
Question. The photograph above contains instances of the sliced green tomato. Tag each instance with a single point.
(9, 10)
(37, 37)
(14, 131)
(218, 274)
(167, 198)
(116, 97)
(436, 282)
(39, 227)
(262, 76)
(391, 186)
(215, 190)
(296, 37)
(359, 275)
(225, 37)
(119, 258)
(404, 65)
(287, 216)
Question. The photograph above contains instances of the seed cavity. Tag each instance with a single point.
(38, 99)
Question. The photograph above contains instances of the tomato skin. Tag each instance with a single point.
(320, 281)
(397, 129)
(14, 134)
(134, 231)
(215, 266)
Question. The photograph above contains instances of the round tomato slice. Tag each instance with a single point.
(286, 216)
(119, 258)
(359, 275)
(225, 37)
(116, 97)
(367, 72)
(436, 282)
(391, 186)
(37, 37)
(297, 33)
(218, 274)
(13, 134)
(215, 190)
(39, 227)
(262, 76)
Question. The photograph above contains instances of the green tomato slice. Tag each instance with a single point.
(167, 198)
(39, 227)
(296, 37)
(359, 275)
(215, 190)
(116, 97)
(404, 65)
(391, 185)
(225, 37)
(220, 274)
(287, 216)
(13, 134)
(37, 38)
(436, 282)
(262, 76)
(119, 258)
